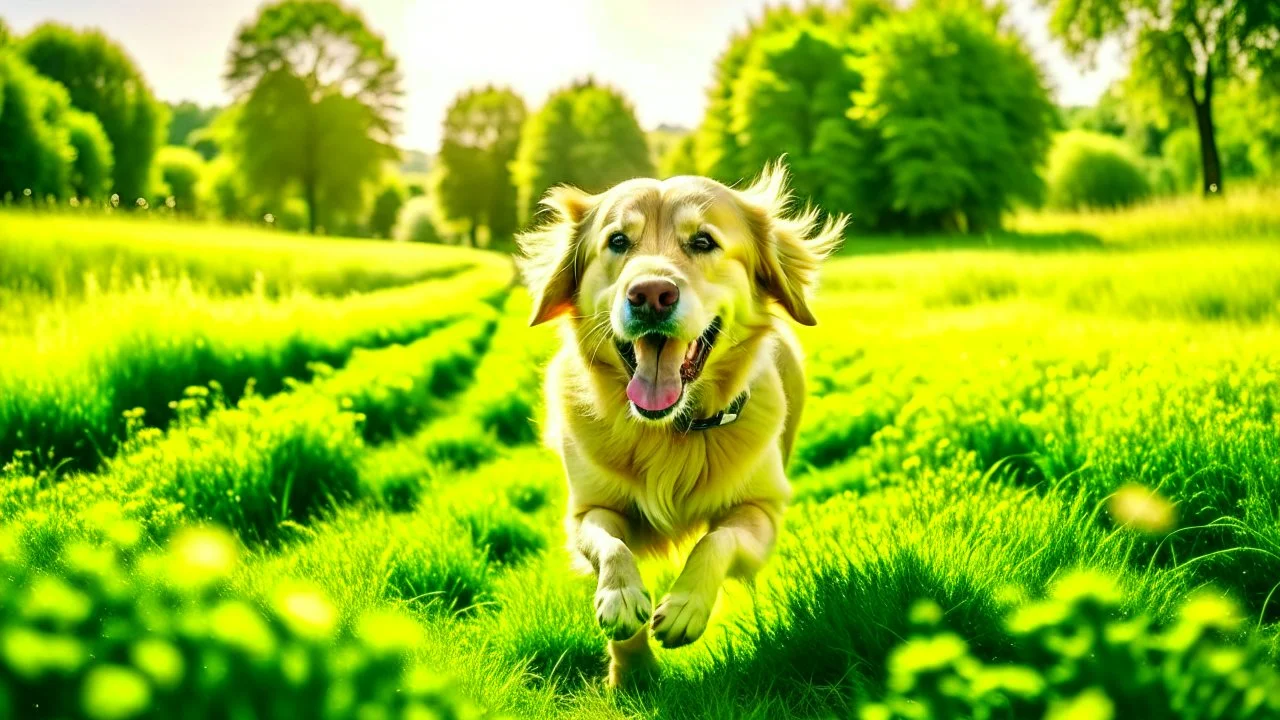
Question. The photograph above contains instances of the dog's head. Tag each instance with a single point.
(663, 278)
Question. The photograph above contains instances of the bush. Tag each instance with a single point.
(101, 79)
(1080, 656)
(416, 222)
(117, 633)
(1181, 151)
(181, 169)
(91, 171)
(36, 154)
(1089, 170)
(386, 209)
(223, 193)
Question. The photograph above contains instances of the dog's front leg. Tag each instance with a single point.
(737, 546)
(622, 604)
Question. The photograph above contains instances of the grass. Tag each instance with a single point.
(63, 394)
(1070, 455)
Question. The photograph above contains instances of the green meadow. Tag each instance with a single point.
(1038, 476)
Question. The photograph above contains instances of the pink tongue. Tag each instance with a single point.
(656, 384)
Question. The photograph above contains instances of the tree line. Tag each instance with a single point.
(932, 117)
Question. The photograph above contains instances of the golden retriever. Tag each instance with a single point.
(675, 399)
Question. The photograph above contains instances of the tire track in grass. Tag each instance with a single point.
(65, 403)
(265, 461)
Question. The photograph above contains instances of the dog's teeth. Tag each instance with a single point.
(693, 350)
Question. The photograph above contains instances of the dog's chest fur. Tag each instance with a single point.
(674, 482)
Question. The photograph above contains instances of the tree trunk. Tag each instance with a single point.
(475, 232)
(1210, 163)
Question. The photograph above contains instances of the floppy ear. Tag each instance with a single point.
(551, 253)
(791, 245)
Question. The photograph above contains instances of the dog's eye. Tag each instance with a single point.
(702, 243)
(619, 242)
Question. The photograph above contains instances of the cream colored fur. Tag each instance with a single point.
(638, 486)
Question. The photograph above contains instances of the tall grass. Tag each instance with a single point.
(264, 462)
(63, 396)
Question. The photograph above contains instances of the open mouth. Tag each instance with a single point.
(662, 366)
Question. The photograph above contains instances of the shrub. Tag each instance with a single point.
(416, 222)
(91, 171)
(35, 152)
(181, 169)
(1090, 170)
(1181, 151)
(118, 633)
(386, 209)
(1079, 655)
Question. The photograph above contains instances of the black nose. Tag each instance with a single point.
(658, 296)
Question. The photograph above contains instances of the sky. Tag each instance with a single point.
(659, 52)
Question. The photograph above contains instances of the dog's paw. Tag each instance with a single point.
(622, 611)
(681, 618)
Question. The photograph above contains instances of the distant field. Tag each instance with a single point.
(973, 414)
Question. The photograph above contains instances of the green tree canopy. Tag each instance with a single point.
(792, 98)
(586, 135)
(186, 121)
(102, 80)
(473, 171)
(91, 170)
(319, 96)
(386, 209)
(1183, 48)
(961, 116)
(36, 154)
(716, 146)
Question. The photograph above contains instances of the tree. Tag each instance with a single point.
(186, 120)
(319, 94)
(960, 114)
(792, 98)
(716, 146)
(181, 169)
(473, 171)
(1185, 47)
(102, 80)
(36, 154)
(586, 135)
(91, 170)
(386, 208)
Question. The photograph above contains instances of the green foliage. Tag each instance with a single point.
(417, 221)
(1181, 49)
(960, 116)
(36, 154)
(1181, 152)
(186, 119)
(319, 92)
(1079, 655)
(679, 158)
(386, 209)
(121, 632)
(91, 171)
(792, 98)
(586, 135)
(182, 170)
(1088, 170)
(102, 80)
(473, 169)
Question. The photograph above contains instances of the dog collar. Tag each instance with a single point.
(720, 419)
